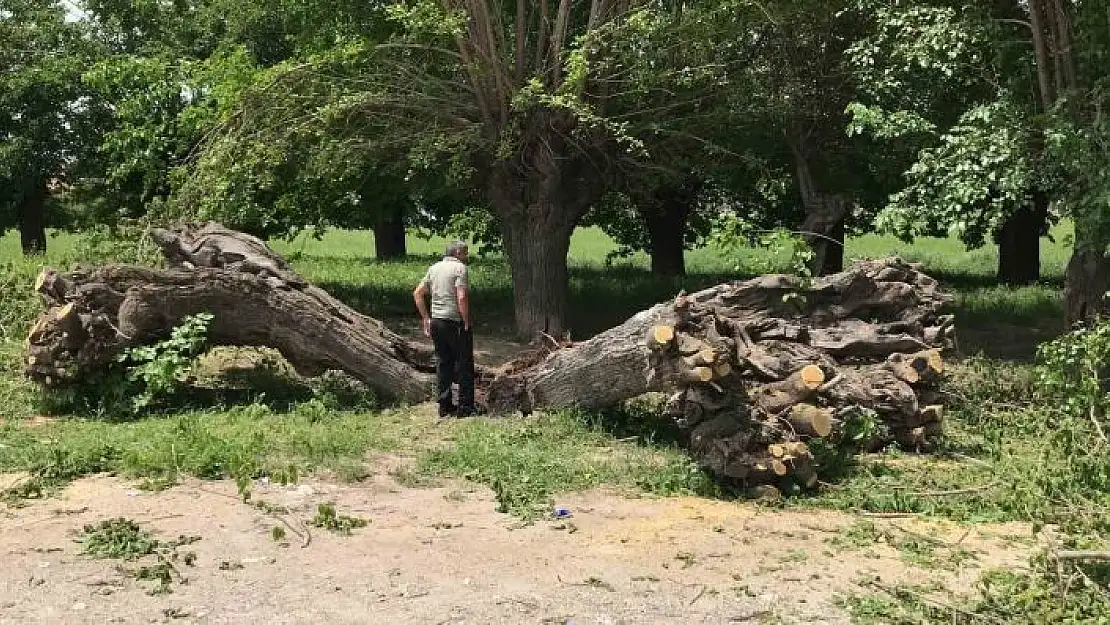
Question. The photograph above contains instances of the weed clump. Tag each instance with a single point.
(327, 518)
(124, 539)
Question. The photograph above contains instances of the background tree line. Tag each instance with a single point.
(516, 122)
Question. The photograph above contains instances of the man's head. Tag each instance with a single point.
(457, 249)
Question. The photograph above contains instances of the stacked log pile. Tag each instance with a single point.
(758, 369)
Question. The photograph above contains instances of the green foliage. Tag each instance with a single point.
(117, 539)
(735, 236)
(162, 369)
(124, 539)
(45, 133)
(327, 518)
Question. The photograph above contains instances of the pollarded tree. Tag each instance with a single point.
(517, 97)
(48, 118)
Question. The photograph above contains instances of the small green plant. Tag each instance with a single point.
(277, 532)
(117, 539)
(124, 539)
(860, 535)
(327, 518)
(162, 369)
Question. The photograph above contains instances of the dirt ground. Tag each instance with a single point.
(443, 554)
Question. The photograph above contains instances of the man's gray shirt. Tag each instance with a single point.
(442, 280)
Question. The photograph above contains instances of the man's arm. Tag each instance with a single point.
(418, 296)
(462, 296)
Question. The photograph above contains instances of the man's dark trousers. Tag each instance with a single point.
(454, 363)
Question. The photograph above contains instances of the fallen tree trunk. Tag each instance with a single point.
(758, 368)
(255, 299)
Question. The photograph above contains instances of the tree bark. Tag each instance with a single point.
(1019, 247)
(255, 297)
(1087, 282)
(539, 196)
(756, 374)
(823, 227)
(389, 234)
(537, 250)
(32, 219)
(666, 233)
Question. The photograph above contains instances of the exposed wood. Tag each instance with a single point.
(662, 335)
(254, 296)
(809, 420)
(757, 376)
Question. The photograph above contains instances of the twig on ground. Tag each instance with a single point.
(888, 515)
(951, 493)
(1096, 556)
(898, 592)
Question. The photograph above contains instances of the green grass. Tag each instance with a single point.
(994, 464)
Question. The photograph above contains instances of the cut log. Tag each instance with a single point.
(754, 368)
(255, 300)
(801, 386)
(754, 374)
(661, 336)
(809, 420)
(921, 367)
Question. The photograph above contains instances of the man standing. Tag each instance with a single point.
(448, 282)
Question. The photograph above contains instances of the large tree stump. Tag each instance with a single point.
(757, 368)
(255, 297)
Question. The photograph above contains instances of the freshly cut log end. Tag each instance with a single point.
(812, 377)
(722, 370)
(918, 368)
(801, 386)
(810, 420)
(661, 336)
(779, 468)
(701, 374)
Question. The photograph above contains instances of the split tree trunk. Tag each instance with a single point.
(255, 297)
(389, 234)
(763, 366)
(32, 219)
(1019, 247)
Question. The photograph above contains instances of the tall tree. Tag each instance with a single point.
(47, 116)
(948, 80)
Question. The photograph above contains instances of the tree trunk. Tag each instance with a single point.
(1088, 280)
(537, 250)
(833, 260)
(32, 220)
(1019, 247)
(254, 296)
(539, 196)
(665, 214)
(389, 234)
(756, 375)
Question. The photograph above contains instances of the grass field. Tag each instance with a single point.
(994, 457)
